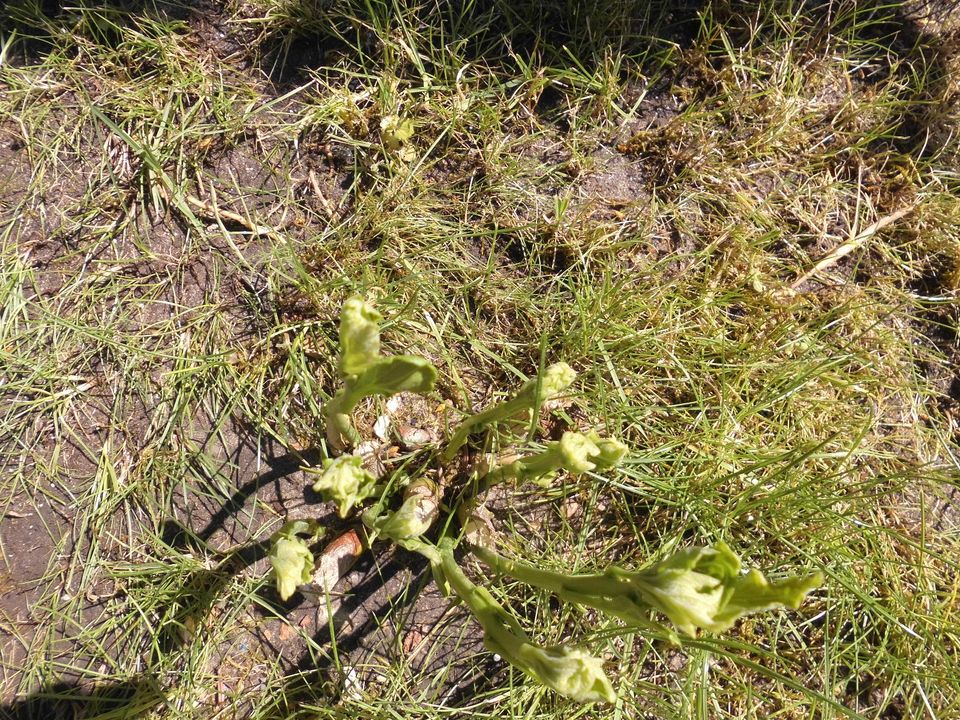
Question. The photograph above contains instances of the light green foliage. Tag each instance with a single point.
(395, 131)
(704, 588)
(292, 563)
(359, 336)
(554, 380)
(344, 481)
(414, 517)
(365, 373)
(568, 670)
(574, 452)
(291, 558)
(611, 451)
(396, 374)
(696, 588)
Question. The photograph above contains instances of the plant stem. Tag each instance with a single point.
(337, 412)
(494, 414)
(605, 585)
(497, 623)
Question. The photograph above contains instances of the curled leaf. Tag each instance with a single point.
(704, 588)
(573, 452)
(568, 670)
(611, 451)
(292, 564)
(344, 481)
(420, 509)
(576, 452)
(554, 380)
(396, 374)
(359, 336)
(395, 131)
(366, 373)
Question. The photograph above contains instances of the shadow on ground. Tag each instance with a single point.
(356, 619)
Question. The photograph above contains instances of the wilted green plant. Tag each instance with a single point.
(365, 373)
(290, 555)
(344, 481)
(699, 588)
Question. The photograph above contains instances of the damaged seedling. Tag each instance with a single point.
(366, 373)
(697, 589)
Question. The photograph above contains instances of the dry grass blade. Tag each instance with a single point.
(844, 249)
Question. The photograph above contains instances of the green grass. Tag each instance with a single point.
(146, 337)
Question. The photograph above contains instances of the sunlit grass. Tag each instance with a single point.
(633, 188)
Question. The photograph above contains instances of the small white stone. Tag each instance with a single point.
(352, 686)
(381, 427)
(394, 404)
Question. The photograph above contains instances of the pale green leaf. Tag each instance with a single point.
(359, 336)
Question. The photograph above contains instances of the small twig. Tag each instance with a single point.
(215, 212)
(834, 256)
(315, 184)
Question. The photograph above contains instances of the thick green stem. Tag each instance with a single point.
(430, 552)
(520, 470)
(529, 468)
(496, 476)
(566, 669)
(697, 588)
(497, 623)
(382, 376)
(604, 592)
(553, 380)
(604, 585)
(537, 466)
(494, 414)
(574, 452)
(337, 412)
